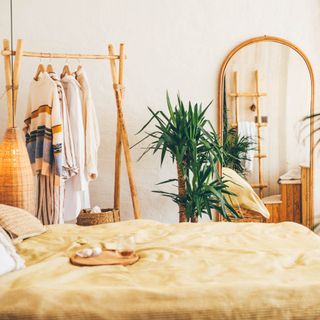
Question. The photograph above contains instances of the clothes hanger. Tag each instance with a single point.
(79, 68)
(65, 70)
(50, 67)
(40, 69)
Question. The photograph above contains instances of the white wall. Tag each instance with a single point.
(171, 44)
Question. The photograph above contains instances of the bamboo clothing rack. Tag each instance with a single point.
(259, 124)
(122, 142)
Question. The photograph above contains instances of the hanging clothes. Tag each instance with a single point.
(91, 126)
(49, 199)
(43, 130)
(70, 166)
(69, 163)
(77, 187)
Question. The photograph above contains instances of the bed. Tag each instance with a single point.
(186, 271)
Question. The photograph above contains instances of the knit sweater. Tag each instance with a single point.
(43, 127)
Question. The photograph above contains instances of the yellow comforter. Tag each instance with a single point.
(186, 271)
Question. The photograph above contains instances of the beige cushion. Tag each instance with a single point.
(19, 223)
(246, 197)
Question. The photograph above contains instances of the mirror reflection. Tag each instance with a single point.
(266, 94)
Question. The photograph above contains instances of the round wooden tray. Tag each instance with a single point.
(107, 257)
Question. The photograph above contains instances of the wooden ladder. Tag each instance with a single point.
(256, 95)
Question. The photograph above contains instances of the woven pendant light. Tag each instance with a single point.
(16, 177)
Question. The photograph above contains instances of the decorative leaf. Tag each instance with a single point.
(167, 181)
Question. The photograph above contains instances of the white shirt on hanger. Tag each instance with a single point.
(92, 134)
(76, 188)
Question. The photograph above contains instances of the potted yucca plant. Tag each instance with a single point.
(189, 139)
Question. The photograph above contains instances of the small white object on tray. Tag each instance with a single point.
(89, 252)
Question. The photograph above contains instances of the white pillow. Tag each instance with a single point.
(10, 260)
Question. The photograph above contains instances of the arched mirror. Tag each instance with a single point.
(266, 87)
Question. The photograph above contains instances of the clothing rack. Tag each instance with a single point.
(12, 88)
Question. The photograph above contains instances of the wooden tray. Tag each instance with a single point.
(107, 257)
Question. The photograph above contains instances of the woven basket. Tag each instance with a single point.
(86, 218)
(16, 177)
(248, 216)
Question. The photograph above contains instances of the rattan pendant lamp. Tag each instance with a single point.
(16, 177)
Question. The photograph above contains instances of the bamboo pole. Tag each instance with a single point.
(8, 52)
(259, 134)
(117, 161)
(261, 125)
(236, 79)
(259, 185)
(121, 65)
(247, 94)
(16, 77)
(123, 132)
(7, 71)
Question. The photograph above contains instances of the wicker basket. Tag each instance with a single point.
(248, 216)
(86, 218)
(16, 177)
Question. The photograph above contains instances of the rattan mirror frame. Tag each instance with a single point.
(291, 45)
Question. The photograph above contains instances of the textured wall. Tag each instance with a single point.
(174, 45)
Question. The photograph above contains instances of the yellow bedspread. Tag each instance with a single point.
(186, 271)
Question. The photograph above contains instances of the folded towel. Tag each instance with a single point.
(95, 209)
(248, 129)
(292, 174)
